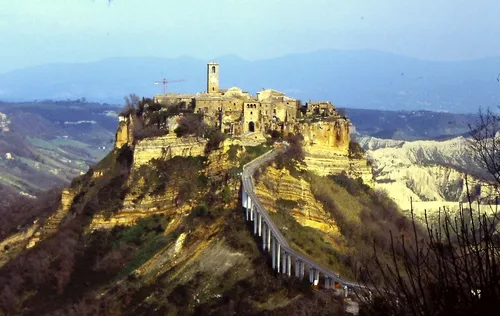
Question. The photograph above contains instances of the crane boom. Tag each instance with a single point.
(164, 82)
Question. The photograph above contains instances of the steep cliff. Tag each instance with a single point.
(52, 223)
(326, 145)
(125, 132)
(307, 210)
(166, 147)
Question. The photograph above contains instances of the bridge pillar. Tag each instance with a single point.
(260, 224)
(283, 262)
(249, 202)
(311, 275)
(327, 283)
(302, 268)
(268, 236)
(264, 237)
(247, 213)
(289, 263)
(255, 222)
(297, 268)
(273, 251)
(316, 277)
(252, 211)
(346, 290)
(244, 197)
(278, 253)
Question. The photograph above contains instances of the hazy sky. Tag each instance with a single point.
(46, 31)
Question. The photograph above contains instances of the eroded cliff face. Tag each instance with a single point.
(125, 132)
(332, 136)
(276, 184)
(429, 172)
(53, 222)
(166, 147)
(326, 145)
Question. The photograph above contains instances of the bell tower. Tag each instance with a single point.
(212, 77)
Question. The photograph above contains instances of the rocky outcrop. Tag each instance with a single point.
(136, 206)
(331, 135)
(326, 145)
(275, 183)
(52, 223)
(125, 132)
(14, 244)
(166, 147)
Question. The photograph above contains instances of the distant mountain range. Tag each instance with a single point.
(356, 79)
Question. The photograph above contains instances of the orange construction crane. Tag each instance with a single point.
(165, 82)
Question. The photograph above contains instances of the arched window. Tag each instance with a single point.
(213, 69)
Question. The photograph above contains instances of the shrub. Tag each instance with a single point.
(355, 150)
(200, 211)
(215, 137)
(226, 194)
(190, 125)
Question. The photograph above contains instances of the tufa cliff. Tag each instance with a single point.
(164, 236)
(327, 149)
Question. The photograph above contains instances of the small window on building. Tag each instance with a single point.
(213, 69)
(213, 88)
(251, 113)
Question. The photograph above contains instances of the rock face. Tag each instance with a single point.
(10, 246)
(309, 212)
(167, 147)
(52, 223)
(326, 145)
(330, 135)
(424, 170)
(125, 132)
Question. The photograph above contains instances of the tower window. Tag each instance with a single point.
(213, 88)
(213, 69)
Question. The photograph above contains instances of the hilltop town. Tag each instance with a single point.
(239, 116)
(236, 112)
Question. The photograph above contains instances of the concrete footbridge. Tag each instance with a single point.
(284, 258)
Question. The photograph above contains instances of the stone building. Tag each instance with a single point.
(236, 112)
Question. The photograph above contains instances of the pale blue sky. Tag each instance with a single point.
(46, 31)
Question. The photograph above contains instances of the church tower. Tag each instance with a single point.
(213, 77)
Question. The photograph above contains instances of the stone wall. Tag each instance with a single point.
(167, 147)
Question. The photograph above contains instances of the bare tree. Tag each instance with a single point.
(132, 102)
(485, 144)
(453, 269)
